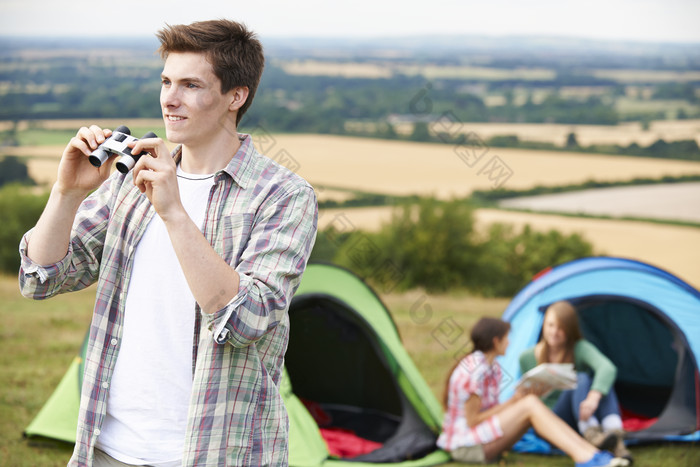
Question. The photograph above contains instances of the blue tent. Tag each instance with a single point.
(646, 320)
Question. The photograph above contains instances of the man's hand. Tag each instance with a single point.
(75, 179)
(156, 176)
(76, 175)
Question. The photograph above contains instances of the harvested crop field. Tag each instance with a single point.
(671, 201)
(622, 134)
(444, 171)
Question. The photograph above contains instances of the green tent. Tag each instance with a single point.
(352, 392)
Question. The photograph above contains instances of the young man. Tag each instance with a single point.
(196, 256)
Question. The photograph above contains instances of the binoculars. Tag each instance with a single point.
(117, 143)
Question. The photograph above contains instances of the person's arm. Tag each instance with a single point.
(475, 415)
(76, 177)
(61, 253)
(528, 361)
(241, 304)
(604, 374)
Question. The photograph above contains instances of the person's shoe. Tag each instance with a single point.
(603, 459)
(605, 441)
(620, 449)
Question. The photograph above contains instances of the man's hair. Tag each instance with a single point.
(235, 53)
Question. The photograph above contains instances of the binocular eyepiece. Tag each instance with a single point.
(117, 143)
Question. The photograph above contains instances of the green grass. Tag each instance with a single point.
(44, 137)
(38, 340)
(40, 137)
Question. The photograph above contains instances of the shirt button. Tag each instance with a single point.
(113, 342)
(105, 385)
(97, 432)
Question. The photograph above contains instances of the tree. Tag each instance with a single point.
(12, 169)
(571, 141)
(19, 211)
(421, 132)
(429, 245)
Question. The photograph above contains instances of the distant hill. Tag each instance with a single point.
(498, 49)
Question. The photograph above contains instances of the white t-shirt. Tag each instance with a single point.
(150, 390)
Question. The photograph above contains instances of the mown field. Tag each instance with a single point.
(38, 340)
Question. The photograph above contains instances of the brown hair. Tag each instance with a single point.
(482, 335)
(235, 53)
(568, 321)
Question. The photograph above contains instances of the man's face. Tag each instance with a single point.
(194, 109)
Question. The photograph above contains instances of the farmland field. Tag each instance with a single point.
(384, 70)
(404, 168)
(675, 201)
(444, 171)
(375, 166)
(556, 133)
(669, 247)
(622, 134)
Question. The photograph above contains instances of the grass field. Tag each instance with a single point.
(38, 340)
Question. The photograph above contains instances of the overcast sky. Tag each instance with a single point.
(639, 20)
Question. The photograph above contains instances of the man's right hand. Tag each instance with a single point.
(50, 238)
(76, 175)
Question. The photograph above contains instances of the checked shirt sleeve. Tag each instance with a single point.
(80, 267)
(270, 269)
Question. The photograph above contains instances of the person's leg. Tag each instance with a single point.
(583, 387)
(563, 408)
(530, 411)
(609, 412)
(611, 422)
(590, 428)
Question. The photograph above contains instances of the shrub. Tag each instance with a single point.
(433, 245)
(12, 169)
(19, 211)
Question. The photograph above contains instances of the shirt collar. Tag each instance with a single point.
(480, 358)
(240, 166)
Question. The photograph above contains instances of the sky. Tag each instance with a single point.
(629, 20)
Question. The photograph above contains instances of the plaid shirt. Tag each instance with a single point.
(261, 219)
(473, 376)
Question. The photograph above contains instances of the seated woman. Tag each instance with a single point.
(477, 428)
(592, 407)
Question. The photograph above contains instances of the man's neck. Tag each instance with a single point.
(209, 158)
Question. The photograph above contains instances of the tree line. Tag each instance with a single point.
(85, 87)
